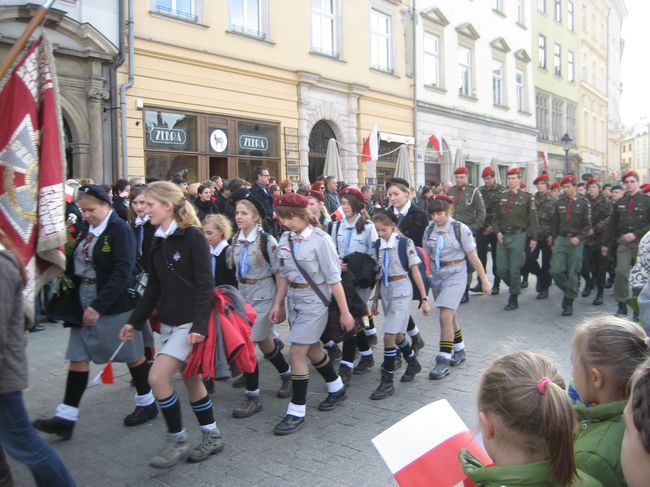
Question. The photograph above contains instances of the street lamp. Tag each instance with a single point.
(567, 141)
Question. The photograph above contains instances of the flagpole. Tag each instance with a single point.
(17, 48)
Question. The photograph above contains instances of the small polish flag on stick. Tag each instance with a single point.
(105, 376)
(370, 147)
(545, 159)
(338, 213)
(422, 449)
(436, 143)
(69, 193)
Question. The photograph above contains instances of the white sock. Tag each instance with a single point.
(275, 334)
(144, 400)
(370, 332)
(347, 364)
(365, 353)
(66, 412)
(413, 332)
(287, 373)
(459, 346)
(330, 344)
(444, 355)
(335, 386)
(298, 410)
(209, 427)
(255, 393)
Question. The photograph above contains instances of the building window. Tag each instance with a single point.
(558, 10)
(541, 5)
(585, 128)
(521, 13)
(464, 71)
(497, 5)
(380, 41)
(541, 112)
(520, 90)
(557, 59)
(497, 83)
(585, 67)
(570, 17)
(584, 18)
(431, 59)
(571, 67)
(541, 51)
(184, 9)
(246, 17)
(571, 118)
(324, 28)
(595, 138)
(594, 74)
(556, 119)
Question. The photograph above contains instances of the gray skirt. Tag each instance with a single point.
(396, 303)
(260, 296)
(448, 285)
(307, 315)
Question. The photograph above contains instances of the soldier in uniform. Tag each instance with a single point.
(545, 204)
(468, 209)
(514, 218)
(485, 236)
(595, 264)
(629, 222)
(571, 224)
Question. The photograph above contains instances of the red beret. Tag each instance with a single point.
(593, 181)
(513, 171)
(317, 186)
(488, 171)
(522, 185)
(461, 170)
(630, 174)
(443, 197)
(294, 200)
(569, 179)
(540, 178)
(555, 185)
(349, 191)
(316, 194)
(645, 188)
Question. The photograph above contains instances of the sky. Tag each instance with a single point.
(635, 66)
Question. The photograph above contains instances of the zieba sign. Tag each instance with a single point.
(162, 135)
(253, 142)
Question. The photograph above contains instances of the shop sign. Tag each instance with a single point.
(162, 135)
(218, 140)
(253, 142)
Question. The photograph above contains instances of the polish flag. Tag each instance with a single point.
(69, 193)
(422, 449)
(371, 147)
(545, 159)
(338, 213)
(105, 376)
(436, 143)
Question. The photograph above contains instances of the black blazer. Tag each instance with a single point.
(120, 207)
(223, 275)
(205, 208)
(148, 232)
(114, 261)
(265, 197)
(413, 224)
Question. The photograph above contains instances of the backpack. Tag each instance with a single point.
(424, 265)
(455, 225)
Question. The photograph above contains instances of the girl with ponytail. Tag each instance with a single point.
(635, 450)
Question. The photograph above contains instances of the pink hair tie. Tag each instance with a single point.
(541, 385)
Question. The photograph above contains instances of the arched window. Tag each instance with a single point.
(320, 134)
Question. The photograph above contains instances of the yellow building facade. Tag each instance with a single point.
(221, 87)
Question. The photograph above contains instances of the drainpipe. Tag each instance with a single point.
(114, 94)
(415, 90)
(123, 88)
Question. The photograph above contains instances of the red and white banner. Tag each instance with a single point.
(31, 167)
(371, 147)
(436, 142)
(422, 449)
(544, 158)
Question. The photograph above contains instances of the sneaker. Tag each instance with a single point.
(441, 369)
(289, 424)
(176, 449)
(334, 352)
(239, 382)
(372, 339)
(211, 444)
(55, 426)
(457, 358)
(332, 399)
(365, 364)
(249, 406)
(141, 415)
(285, 388)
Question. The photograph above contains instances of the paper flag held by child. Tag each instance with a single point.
(422, 449)
(105, 376)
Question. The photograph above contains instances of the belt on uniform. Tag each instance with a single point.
(397, 278)
(512, 232)
(298, 285)
(452, 262)
(85, 280)
(245, 280)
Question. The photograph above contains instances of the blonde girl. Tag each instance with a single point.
(527, 425)
(317, 207)
(218, 231)
(635, 449)
(180, 283)
(254, 256)
(606, 352)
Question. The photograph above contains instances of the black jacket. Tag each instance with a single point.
(147, 239)
(180, 281)
(205, 208)
(121, 207)
(363, 267)
(413, 224)
(265, 197)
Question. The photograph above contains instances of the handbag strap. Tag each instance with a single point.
(307, 277)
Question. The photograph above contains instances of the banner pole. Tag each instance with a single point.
(17, 48)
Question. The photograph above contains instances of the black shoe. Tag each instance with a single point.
(398, 363)
(622, 309)
(209, 385)
(495, 291)
(610, 282)
(465, 298)
(412, 368)
(364, 365)
(417, 343)
(345, 373)
(598, 300)
(512, 303)
(372, 339)
(334, 352)
(587, 289)
(141, 415)
(239, 382)
(524, 283)
(567, 307)
(37, 327)
(385, 388)
(290, 424)
(55, 426)
(477, 289)
(332, 399)
(543, 294)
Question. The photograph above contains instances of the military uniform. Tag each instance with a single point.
(490, 197)
(631, 214)
(571, 219)
(595, 265)
(515, 217)
(545, 204)
(469, 209)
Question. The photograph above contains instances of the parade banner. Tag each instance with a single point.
(31, 167)
(422, 449)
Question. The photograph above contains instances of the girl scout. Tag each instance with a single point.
(256, 268)
(449, 278)
(307, 246)
(396, 292)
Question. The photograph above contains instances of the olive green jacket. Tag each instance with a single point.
(468, 205)
(637, 222)
(490, 198)
(601, 210)
(575, 224)
(545, 205)
(518, 214)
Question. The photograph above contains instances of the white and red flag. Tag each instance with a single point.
(31, 167)
(436, 142)
(422, 449)
(544, 157)
(106, 376)
(338, 214)
(371, 147)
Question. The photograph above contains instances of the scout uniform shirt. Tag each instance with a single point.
(571, 217)
(490, 198)
(601, 210)
(545, 205)
(348, 241)
(515, 212)
(630, 214)
(468, 205)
